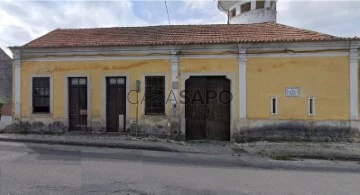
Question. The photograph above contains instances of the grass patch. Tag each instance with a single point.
(261, 153)
(282, 157)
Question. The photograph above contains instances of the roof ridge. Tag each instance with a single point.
(165, 25)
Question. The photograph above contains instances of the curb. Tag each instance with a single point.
(267, 163)
(245, 160)
(104, 145)
(332, 158)
(313, 157)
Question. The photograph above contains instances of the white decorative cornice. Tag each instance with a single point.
(16, 54)
(174, 56)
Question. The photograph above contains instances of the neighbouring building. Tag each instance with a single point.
(248, 12)
(271, 81)
(5, 89)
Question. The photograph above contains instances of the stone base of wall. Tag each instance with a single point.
(158, 126)
(5, 121)
(55, 127)
(291, 130)
(244, 130)
(355, 130)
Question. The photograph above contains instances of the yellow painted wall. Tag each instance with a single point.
(97, 70)
(325, 78)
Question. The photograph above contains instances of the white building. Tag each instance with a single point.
(249, 12)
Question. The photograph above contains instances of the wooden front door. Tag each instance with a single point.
(78, 103)
(115, 103)
(195, 108)
(207, 109)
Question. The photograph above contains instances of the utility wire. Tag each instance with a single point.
(167, 11)
(12, 26)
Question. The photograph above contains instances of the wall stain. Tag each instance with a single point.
(118, 66)
(128, 66)
(278, 65)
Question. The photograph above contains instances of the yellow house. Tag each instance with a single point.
(217, 82)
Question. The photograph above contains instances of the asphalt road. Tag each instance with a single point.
(55, 169)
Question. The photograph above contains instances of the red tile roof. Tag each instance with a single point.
(177, 35)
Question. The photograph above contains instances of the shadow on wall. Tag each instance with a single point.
(294, 132)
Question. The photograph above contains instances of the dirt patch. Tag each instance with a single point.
(306, 150)
(282, 157)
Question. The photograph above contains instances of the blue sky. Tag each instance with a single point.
(22, 21)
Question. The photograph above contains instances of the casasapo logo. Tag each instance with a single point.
(185, 97)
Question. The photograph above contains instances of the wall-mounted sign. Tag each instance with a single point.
(292, 91)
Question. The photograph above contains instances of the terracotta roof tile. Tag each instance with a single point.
(176, 35)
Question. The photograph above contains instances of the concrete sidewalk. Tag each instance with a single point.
(239, 159)
(124, 142)
(256, 150)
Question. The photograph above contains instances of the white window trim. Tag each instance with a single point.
(276, 106)
(313, 105)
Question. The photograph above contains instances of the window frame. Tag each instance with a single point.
(242, 6)
(311, 106)
(146, 109)
(258, 3)
(274, 107)
(34, 96)
(273, 5)
(233, 12)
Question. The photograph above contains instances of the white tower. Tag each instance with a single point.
(249, 11)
